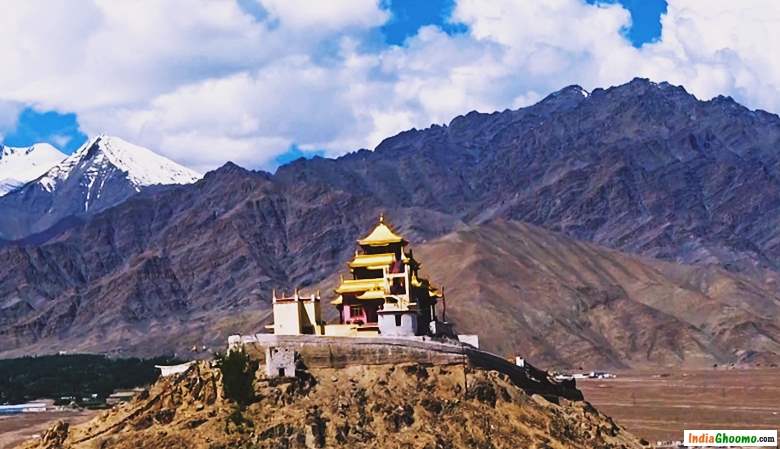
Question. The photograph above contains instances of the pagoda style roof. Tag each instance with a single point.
(381, 235)
(360, 285)
(372, 294)
(373, 261)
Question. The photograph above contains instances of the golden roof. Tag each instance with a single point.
(381, 235)
(367, 296)
(360, 285)
(372, 260)
(372, 294)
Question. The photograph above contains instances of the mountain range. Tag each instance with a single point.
(626, 226)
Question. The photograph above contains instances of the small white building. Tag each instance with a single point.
(297, 314)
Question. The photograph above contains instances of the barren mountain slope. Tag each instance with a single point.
(643, 167)
(566, 303)
(160, 272)
(523, 289)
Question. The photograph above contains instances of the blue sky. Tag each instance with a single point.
(645, 19)
(61, 128)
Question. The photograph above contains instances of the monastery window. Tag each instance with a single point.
(355, 311)
(397, 320)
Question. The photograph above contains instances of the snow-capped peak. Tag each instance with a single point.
(102, 155)
(21, 165)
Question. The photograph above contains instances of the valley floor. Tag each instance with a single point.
(660, 404)
(17, 428)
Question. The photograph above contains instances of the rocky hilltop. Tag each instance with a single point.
(379, 406)
(643, 168)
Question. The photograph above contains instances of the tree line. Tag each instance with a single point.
(73, 375)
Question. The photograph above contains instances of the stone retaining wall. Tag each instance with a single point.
(339, 352)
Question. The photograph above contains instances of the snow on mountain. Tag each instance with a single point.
(104, 155)
(21, 165)
(101, 159)
(104, 172)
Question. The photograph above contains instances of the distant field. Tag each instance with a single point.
(659, 408)
(17, 428)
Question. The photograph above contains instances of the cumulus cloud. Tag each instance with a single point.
(721, 47)
(9, 112)
(315, 17)
(203, 82)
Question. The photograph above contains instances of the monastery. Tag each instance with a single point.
(387, 315)
(383, 295)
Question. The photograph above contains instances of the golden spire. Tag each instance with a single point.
(381, 235)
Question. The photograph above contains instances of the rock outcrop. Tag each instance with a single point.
(378, 406)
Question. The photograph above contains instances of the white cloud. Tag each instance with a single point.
(313, 17)
(60, 140)
(722, 47)
(9, 112)
(206, 81)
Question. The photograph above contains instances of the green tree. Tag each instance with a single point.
(238, 374)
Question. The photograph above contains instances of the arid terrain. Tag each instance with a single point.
(382, 406)
(17, 428)
(568, 304)
(659, 405)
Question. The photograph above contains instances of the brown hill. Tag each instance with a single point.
(361, 406)
(561, 302)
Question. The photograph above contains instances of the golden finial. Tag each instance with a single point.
(381, 217)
